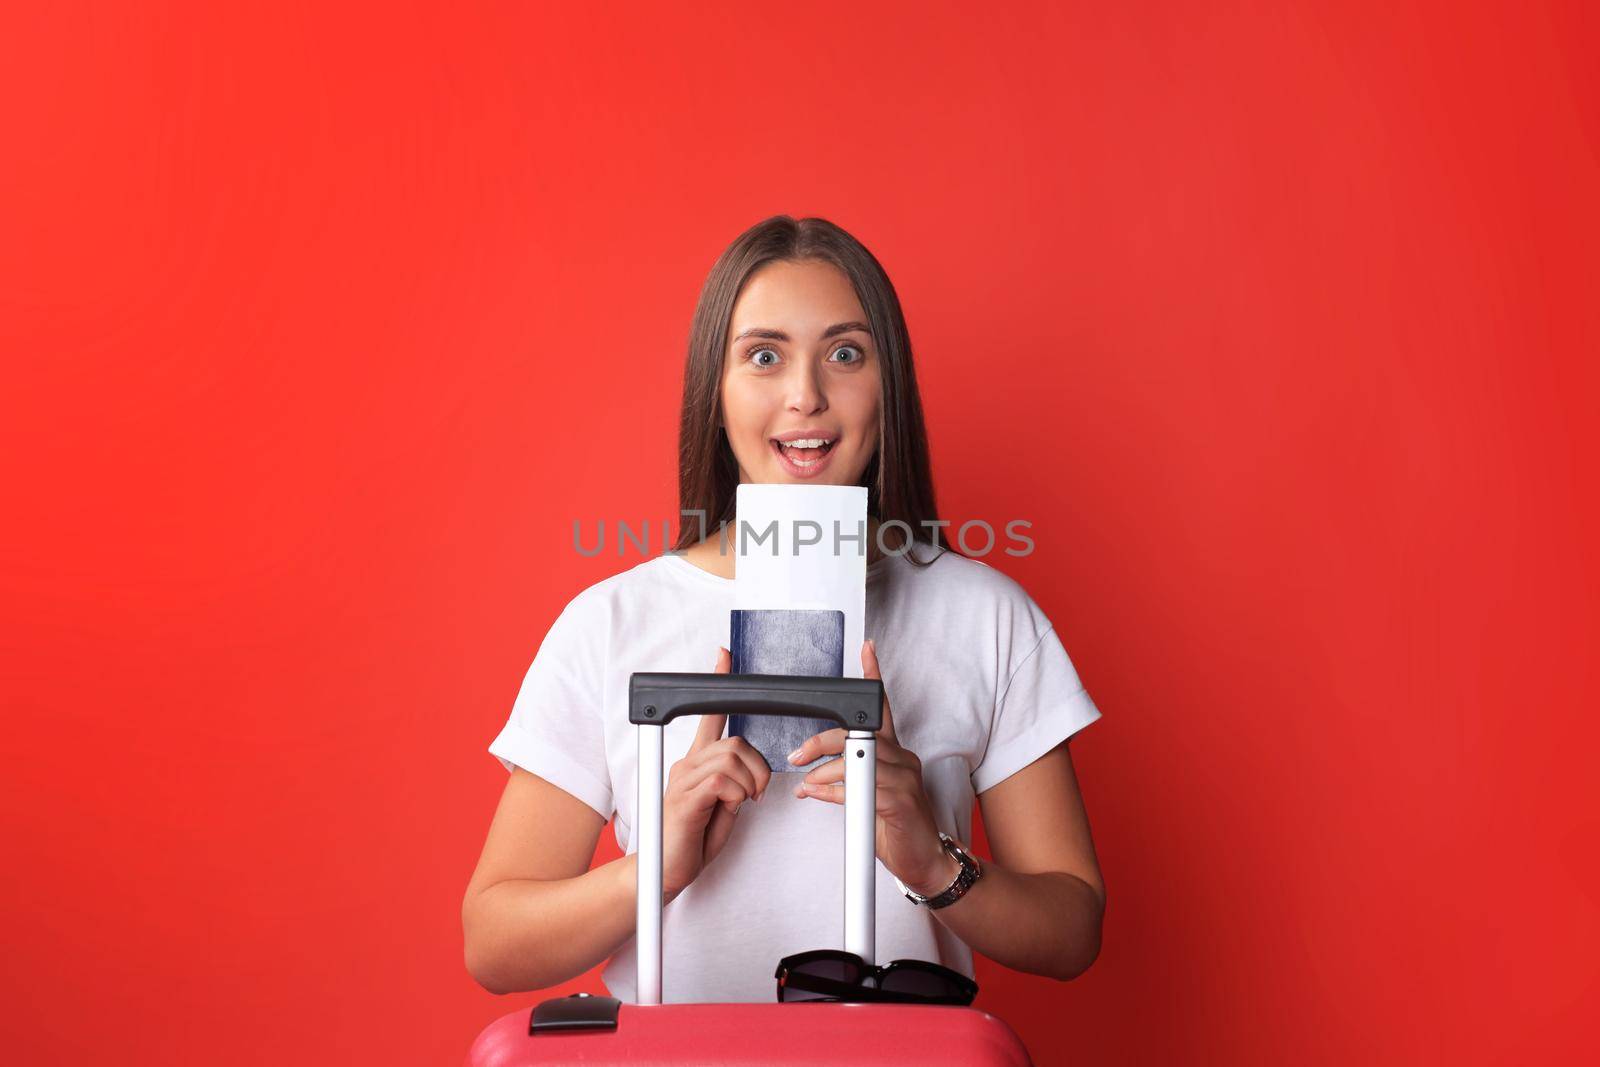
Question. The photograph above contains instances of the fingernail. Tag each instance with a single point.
(794, 757)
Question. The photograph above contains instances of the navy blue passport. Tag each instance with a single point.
(782, 641)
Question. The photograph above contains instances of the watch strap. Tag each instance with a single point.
(971, 870)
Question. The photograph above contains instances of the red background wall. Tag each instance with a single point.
(1279, 322)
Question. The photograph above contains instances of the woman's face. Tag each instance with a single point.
(800, 365)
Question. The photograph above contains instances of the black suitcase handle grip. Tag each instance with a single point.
(580, 1011)
(655, 699)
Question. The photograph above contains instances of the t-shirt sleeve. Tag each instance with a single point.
(556, 728)
(1042, 704)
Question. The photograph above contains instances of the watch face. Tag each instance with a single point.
(969, 872)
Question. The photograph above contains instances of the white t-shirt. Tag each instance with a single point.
(979, 686)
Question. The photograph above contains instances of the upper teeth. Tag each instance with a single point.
(808, 442)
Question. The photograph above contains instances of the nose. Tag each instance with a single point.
(805, 389)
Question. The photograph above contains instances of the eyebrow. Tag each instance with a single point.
(778, 335)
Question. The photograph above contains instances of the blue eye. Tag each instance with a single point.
(753, 356)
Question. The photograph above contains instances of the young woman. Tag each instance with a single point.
(798, 335)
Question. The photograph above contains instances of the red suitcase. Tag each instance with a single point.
(590, 1029)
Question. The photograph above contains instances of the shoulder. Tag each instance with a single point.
(976, 600)
(952, 570)
(970, 583)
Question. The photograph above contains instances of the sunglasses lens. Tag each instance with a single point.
(829, 970)
(916, 982)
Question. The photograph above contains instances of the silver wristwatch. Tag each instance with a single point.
(971, 871)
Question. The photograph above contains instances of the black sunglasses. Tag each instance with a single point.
(830, 974)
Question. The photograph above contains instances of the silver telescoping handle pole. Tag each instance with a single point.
(647, 926)
(861, 844)
(853, 700)
(860, 854)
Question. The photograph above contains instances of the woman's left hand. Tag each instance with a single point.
(908, 839)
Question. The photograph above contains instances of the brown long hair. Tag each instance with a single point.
(899, 478)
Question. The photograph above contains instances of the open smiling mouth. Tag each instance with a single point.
(804, 454)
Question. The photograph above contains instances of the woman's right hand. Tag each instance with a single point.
(704, 791)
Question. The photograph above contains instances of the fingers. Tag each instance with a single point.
(890, 772)
(831, 742)
(827, 743)
(755, 762)
(820, 782)
(834, 794)
(718, 829)
(734, 770)
(870, 669)
(741, 748)
(722, 775)
(711, 726)
(869, 660)
(827, 783)
(727, 787)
